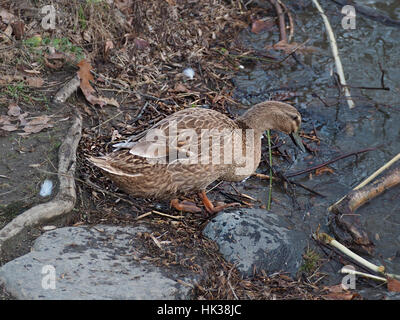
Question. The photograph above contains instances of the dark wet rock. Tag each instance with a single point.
(103, 262)
(256, 238)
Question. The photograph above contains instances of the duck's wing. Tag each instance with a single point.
(187, 134)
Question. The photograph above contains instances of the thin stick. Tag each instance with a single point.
(167, 215)
(270, 170)
(143, 215)
(113, 117)
(335, 53)
(331, 241)
(363, 274)
(370, 178)
(329, 162)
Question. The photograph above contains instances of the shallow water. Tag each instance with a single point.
(374, 122)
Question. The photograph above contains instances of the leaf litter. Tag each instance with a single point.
(15, 120)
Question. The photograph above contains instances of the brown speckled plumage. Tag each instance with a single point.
(135, 173)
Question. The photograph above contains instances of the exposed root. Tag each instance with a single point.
(64, 201)
(345, 217)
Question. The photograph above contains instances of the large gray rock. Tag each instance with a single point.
(256, 238)
(92, 263)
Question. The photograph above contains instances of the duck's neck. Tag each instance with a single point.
(252, 119)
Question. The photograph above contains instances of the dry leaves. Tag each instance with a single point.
(15, 120)
(262, 25)
(6, 16)
(337, 292)
(37, 124)
(393, 285)
(30, 81)
(14, 110)
(35, 82)
(289, 48)
(85, 77)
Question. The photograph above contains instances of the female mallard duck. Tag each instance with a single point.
(190, 149)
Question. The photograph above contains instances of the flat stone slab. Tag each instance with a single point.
(102, 262)
(256, 238)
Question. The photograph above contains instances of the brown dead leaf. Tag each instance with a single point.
(262, 25)
(5, 119)
(14, 110)
(179, 87)
(124, 5)
(6, 79)
(108, 46)
(85, 76)
(35, 129)
(393, 285)
(110, 101)
(56, 60)
(36, 125)
(39, 120)
(87, 36)
(323, 170)
(140, 43)
(22, 120)
(56, 65)
(337, 292)
(18, 29)
(6, 34)
(341, 296)
(35, 82)
(334, 289)
(289, 48)
(171, 2)
(6, 16)
(9, 127)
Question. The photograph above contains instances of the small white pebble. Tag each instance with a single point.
(47, 187)
(189, 72)
(48, 228)
(241, 66)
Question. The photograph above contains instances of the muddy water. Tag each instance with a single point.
(374, 122)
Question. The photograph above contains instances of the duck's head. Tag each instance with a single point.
(274, 115)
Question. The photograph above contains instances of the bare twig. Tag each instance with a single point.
(329, 162)
(335, 54)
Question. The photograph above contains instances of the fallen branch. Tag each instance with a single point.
(370, 178)
(64, 201)
(345, 218)
(67, 90)
(335, 54)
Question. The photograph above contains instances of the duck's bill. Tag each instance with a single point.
(297, 141)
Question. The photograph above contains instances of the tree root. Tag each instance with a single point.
(64, 201)
(348, 222)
